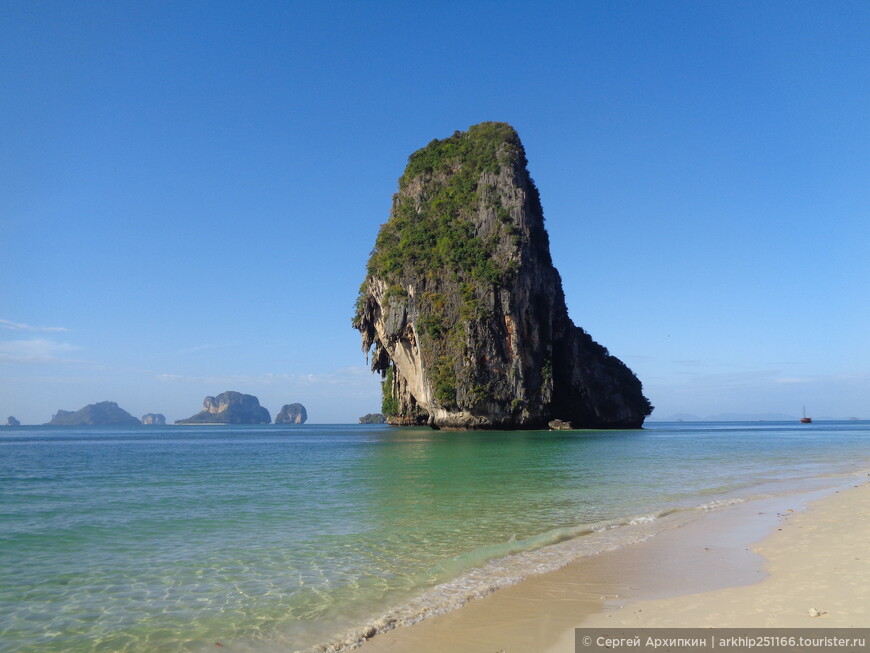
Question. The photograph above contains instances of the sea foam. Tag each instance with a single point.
(541, 554)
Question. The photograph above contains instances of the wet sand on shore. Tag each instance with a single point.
(763, 563)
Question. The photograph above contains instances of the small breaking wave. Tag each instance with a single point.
(499, 566)
(721, 503)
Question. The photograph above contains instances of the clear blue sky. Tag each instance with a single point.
(189, 191)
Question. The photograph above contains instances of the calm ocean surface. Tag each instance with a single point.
(281, 538)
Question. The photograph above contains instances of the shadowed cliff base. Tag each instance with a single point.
(462, 311)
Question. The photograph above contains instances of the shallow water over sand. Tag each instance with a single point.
(175, 538)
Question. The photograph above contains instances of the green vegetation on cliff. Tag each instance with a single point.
(389, 402)
(462, 310)
(432, 236)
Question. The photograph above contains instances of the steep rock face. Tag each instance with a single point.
(230, 408)
(154, 419)
(61, 416)
(104, 413)
(462, 310)
(292, 414)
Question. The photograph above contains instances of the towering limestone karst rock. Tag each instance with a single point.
(230, 408)
(154, 419)
(103, 413)
(292, 414)
(462, 310)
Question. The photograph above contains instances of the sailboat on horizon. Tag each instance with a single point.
(805, 419)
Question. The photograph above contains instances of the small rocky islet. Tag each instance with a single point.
(103, 413)
(462, 311)
(230, 408)
(292, 414)
(233, 407)
(226, 408)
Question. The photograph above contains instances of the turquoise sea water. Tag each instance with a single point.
(282, 538)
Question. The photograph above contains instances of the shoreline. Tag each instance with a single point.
(817, 576)
(748, 564)
(364, 533)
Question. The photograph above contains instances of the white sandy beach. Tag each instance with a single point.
(818, 563)
(795, 561)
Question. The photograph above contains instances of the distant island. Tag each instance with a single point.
(292, 414)
(104, 413)
(11, 421)
(154, 419)
(372, 418)
(230, 408)
(462, 311)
